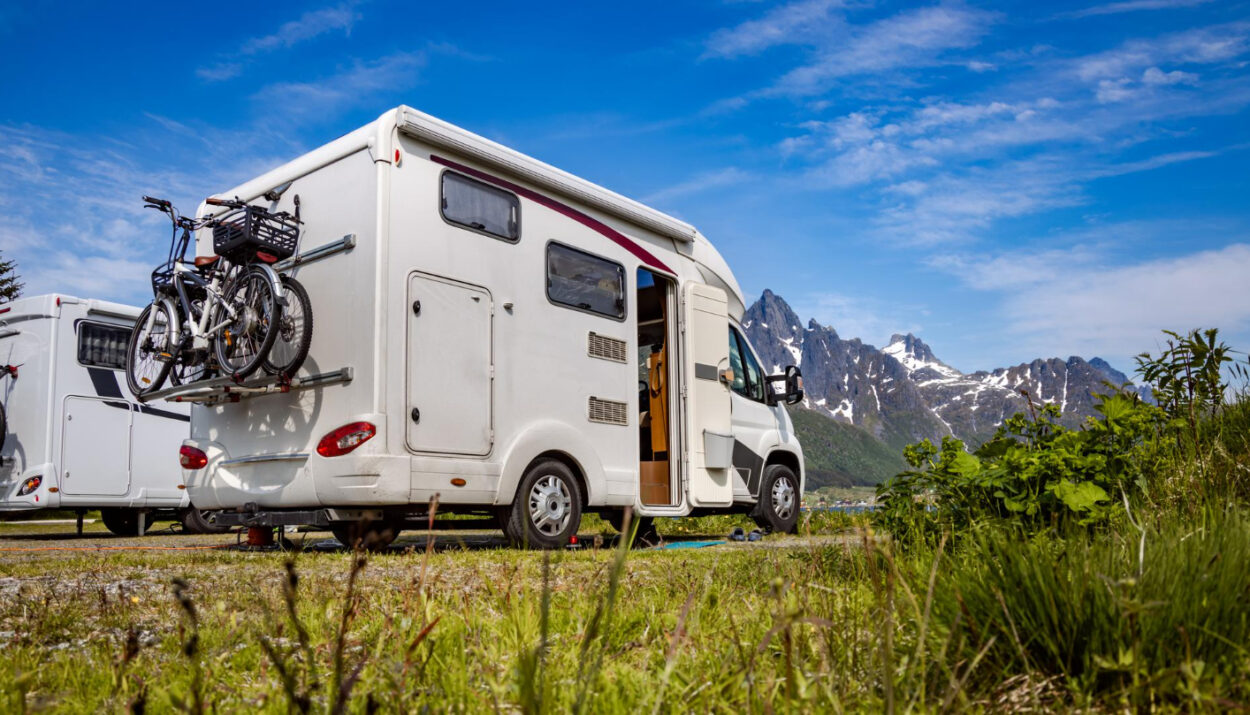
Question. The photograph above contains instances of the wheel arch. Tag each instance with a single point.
(558, 441)
(787, 459)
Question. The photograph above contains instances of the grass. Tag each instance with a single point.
(454, 630)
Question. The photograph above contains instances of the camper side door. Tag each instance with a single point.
(709, 428)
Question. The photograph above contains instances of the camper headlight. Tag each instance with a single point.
(30, 485)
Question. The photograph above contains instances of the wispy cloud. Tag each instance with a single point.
(706, 181)
(857, 316)
(803, 22)
(911, 39)
(1072, 303)
(309, 26)
(1116, 8)
(362, 82)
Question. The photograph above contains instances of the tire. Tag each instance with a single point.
(145, 370)
(244, 342)
(125, 522)
(4, 427)
(547, 508)
(295, 328)
(643, 528)
(368, 536)
(195, 521)
(778, 507)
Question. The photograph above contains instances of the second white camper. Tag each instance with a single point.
(499, 336)
(73, 439)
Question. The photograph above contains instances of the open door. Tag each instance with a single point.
(709, 431)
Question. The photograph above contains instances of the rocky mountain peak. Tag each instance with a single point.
(915, 355)
(903, 392)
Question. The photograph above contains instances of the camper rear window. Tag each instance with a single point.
(585, 282)
(481, 207)
(102, 345)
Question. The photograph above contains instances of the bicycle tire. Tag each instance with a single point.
(4, 426)
(244, 341)
(154, 378)
(295, 329)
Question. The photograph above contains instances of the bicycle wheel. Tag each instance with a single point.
(294, 332)
(192, 365)
(243, 342)
(149, 352)
(185, 373)
(4, 427)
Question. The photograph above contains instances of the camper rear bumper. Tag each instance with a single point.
(295, 480)
(45, 496)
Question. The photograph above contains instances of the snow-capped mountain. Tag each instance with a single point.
(903, 392)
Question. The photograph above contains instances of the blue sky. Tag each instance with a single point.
(1008, 181)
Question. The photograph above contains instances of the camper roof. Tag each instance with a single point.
(464, 143)
(439, 133)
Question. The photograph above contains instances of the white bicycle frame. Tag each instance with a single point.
(200, 330)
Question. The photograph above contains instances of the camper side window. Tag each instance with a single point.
(102, 345)
(585, 282)
(481, 207)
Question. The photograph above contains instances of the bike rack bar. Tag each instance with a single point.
(225, 389)
(345, 243)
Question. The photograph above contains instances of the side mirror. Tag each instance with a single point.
(793, 380)
(794, 385)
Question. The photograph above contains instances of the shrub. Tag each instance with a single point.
(1033, 474)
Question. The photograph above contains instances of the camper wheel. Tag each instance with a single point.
(547, 508)
(778, 507)
(195, 521)
(125, 522)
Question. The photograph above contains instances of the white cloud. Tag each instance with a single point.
(1073, 302)
(706, 181)
(1116, 8)
(1204, 45)
(908, 40)
(803, 22)
(309, 26)
(859, 317)
(360, 83)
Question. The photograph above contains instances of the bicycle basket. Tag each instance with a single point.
(240, 233)
(163, 279)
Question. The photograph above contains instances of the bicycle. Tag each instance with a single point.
(213, 313)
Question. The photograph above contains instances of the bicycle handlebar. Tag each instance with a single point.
(158, 203)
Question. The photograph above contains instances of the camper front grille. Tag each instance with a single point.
(606, 348)
(608, 412)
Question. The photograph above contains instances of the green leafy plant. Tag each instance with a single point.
(1187, 377)
(1034, 473)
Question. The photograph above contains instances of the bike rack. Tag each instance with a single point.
(225, 389)
(345, 243)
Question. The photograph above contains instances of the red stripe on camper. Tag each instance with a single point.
(617, 237)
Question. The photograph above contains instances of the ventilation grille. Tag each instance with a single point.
(609, 412)
(605, 348)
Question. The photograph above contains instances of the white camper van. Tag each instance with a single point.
(501, 336)
(73, 439)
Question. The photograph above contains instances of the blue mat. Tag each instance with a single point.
(689, 544)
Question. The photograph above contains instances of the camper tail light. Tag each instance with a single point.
(346, 438)
(192, 458)
(30, 485)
